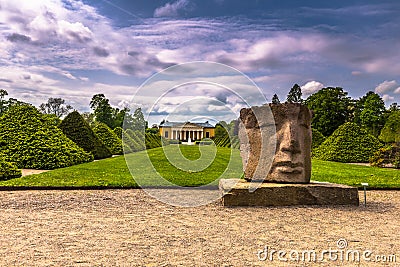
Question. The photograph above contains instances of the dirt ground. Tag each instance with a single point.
(129, 228)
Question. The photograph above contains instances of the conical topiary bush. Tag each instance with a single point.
(348, 143)
(78, 130)
(32, 141)
(109, 138)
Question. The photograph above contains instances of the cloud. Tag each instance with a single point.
(387, 98)
(173, 9)
(311, 87)
(15, 37)
(101, 52)
(387, 86)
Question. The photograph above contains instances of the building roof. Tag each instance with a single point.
(182, 124)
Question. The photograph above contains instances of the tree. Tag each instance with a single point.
(391, 131)
(372, 113)
(275, 99)
(294, 95)
(3, 103)
(331, 109)
(55, 106)
(102, 109)
(137, 121)
(220, 130)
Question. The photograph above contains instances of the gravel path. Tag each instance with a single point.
(129, 228)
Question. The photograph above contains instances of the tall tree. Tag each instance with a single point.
(372, 116)
(275, 99)
(294, 95)
(391, 131)
(331, 109)
(102, 109)
(138, 121)
(55, 106)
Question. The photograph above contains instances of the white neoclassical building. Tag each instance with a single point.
(184, 130)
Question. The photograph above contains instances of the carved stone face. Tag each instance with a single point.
(287, 127)
(292, 161)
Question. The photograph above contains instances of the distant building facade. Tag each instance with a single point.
(183, 130)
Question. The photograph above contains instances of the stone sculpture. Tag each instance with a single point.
(288, 128)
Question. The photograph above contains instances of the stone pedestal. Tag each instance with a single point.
(236, 193)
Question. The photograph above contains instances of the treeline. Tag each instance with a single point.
(343, 129)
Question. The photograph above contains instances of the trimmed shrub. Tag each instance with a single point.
(8, 170)
(227, 141)
(79, 131)
(137, 137)
(391, 131)
(30, 140)
(118, 131)
(153, 140)
(109, 138)
(348, 143)
(386, 156)
(317, 139)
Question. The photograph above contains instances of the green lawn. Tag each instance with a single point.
(199, 168)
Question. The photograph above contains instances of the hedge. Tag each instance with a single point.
(8, 170)
(31, 140)
(78, 130)
(109, 138)
(348, 143)
(137, 137)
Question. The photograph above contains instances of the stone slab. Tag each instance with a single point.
(235, 192)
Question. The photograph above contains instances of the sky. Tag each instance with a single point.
(75, 49)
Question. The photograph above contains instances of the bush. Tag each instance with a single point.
(391, 131)
(138, 138)
(153, 140)
(386, 156)
(79, 131)
(30, 140)
(317, 139)
(348, 143)
(8, 170)
(109, 138)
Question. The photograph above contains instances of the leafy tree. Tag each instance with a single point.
(331, 109)
(3, 103)
(102, 109)
(137, 121)
(118, 117)
(294, 95)
(391, 131)
(372, 113)
(89, 118)
(220, 131)
(55, 106)
(275, 99)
